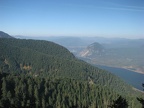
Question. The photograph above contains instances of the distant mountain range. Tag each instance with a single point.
(77, 41)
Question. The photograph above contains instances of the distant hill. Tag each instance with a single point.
(93, 50)
(5, 35)
(128, 57)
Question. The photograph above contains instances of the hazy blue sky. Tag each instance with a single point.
(107, 18)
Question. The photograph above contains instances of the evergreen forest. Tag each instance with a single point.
(42, 74)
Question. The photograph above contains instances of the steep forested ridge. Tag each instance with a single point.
(5, 35)
(45, 47)
(53, 69)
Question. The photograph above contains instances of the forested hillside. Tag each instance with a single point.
(5, 35)
(24, 91)
(44, 74)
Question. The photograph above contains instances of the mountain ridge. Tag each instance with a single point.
(5, 35)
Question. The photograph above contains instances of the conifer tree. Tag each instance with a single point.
(119, 103)
(36, 95)
(4, 88)
(141, 100)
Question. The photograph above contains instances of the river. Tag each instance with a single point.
(133, 78)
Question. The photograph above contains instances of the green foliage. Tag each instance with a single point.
(141, 100)
(55, 93)
(119, 103)
(44, 47)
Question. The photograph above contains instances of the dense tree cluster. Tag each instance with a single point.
(23, 91)
(45, 47)
(119, 103)
(141, 100)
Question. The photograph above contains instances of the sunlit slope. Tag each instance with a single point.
(51, 60)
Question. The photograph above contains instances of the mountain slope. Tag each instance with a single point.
(5, 35)
(25, 57)
(41, 46)
(94, 49)
(47, 60)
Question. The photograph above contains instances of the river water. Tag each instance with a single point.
(132, 78)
